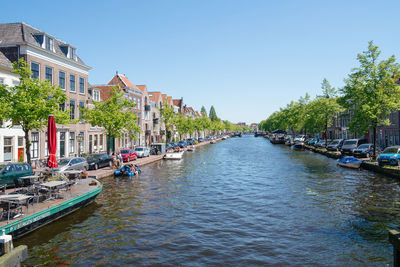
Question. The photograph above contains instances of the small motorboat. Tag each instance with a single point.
(191, 148)
(127, 170)
(349, 162)
(298, 145)
(174, 155)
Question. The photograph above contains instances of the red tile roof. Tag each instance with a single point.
(142, 88)
(122, 81)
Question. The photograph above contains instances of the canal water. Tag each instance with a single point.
(239, 202)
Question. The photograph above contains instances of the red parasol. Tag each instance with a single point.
(52, 142)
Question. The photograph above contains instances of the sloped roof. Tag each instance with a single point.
(105, 90)
(4, 61)
(21, 33)
(122, 81)
(177, 102)
(142, 88)
(155, 96)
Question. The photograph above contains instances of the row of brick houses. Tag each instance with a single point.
(55, 60)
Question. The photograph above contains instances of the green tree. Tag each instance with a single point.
(371, 92)
(30, 103)
(327, 106)
(203, 111)
(212, 115)
(168, 118)
(115, 115)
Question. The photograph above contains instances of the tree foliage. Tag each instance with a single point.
(30, 103)
(212, 115)
(115, 115)
(371, 92)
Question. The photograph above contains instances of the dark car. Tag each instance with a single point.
(200, 139)
(350, 145)
(172, 145)
(365, 151)
(208, 138)
(11, 171)
(128, 154)
(96, 161)
(335, 145)
(190, 141)
(182, 144)
(322, 143)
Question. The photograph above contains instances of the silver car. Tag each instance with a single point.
(142, 151)
(69, 164)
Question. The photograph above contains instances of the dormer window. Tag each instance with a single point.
(39, 39)
(72, 53)
(49, 43)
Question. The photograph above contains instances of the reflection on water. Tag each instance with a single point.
(239, 202)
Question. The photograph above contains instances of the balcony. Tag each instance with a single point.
(146, 107)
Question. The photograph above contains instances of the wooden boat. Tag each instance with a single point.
(24, 213)
(174, 155)
(298, 145)
(349, 162)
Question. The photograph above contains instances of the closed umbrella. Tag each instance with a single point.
(52, 142)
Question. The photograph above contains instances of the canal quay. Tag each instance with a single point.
(239, 202)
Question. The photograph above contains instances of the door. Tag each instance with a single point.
(90, 144)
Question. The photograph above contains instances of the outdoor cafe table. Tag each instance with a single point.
(53, 186)
(18, 199)
(29, 180)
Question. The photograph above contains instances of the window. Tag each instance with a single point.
(35, 145)
(15, 82)
(49, 74)
(46, 148)
(72, 83)
(35, 67)
(1, 80)
(7, 148)
(71, 143)
(81, 106)
(72, 109)
(81, 85)
(101, 143)
(62, 107)
(49, 43)
(96, 95)
(72, 53)
(61, 80)
(20, 141)
(95, 142)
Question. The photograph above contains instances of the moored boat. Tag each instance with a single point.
(349, 162)
(174, 155)
(127, 170)
(24, 213)
(191, 148)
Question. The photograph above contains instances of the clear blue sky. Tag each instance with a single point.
(247, 58)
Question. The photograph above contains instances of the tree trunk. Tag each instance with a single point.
(374, 141)
(27, 146)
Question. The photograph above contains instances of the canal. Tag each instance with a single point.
(241, 202)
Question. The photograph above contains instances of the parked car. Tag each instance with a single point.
(11, 171)
(182, 144)
(142, 152)
(311, 141)
(128, 155)
(208, 138)
(322, 143)
(200, 139)
(389, 156)
(365, 151)
(350, 145)
(335, 145)
(190, 141)
(96, 161)
(70, 164)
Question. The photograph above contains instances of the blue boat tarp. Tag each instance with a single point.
(349, 160)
